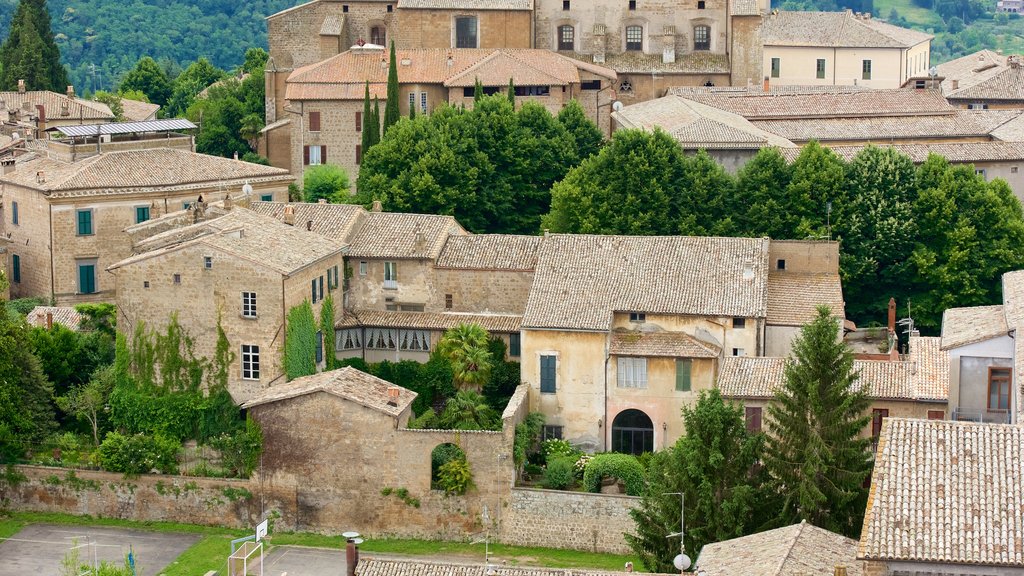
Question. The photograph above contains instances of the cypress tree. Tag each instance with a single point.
(814, 451)
(367, 117)
(30, 52)
(512, 93)
(412, 110)
(375, 131)
(391, 110)
(478, 92)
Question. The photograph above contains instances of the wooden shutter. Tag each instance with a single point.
(313, 290)
(323, 154)
(877, 415)
(753, 416)
(936, 414)
(359, 153)
(305, 155)
(683, 370)
(314, 121)
(547, 374)
(359, 121)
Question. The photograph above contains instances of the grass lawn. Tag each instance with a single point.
(209, 552)
(916, 15)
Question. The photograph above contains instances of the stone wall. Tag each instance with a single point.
(576, 520)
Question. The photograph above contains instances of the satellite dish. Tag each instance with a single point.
(349, 535)
(616, 106)
(357, 540)
(247, 189)
(681, 562)
(933, 71)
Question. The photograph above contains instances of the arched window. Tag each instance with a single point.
(632, 433)
(566, 37)
(378, 35)
(441, 455)
(702, 37)
(634, 38)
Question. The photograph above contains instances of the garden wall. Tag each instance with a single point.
(575, 520)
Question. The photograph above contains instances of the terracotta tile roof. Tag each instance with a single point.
(490, 252)
(64, 315)
(793, 297)
(789, 102)
(961, 124)
(1010, 131)
(923, 376)
(696, 125)
(136, 111)
(984, 75)
(466, 4)
(246, 235)
(347, 383)
(970, 69)
(663, 344)
(333, 25)
(506, 323)
(798, 550)
(744, 8)
(835, 29)
(700, 62)
(946, 492)
(963, 326)
(380, 567)
(343, 77)
(581, 279)
(58, 107)
(135, 170)
(398, 235)
(335, 221)
(958, 153)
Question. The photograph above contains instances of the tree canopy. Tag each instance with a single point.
(30, 53)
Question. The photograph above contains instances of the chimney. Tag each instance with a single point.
(7, 165)
(71, 91)
(21, 86)
(228, 202)
(236, 154)
(393, 393)
(1013, 61)
(767, 84)
(49, 320)
(309, 225)
(840, 571)
(42, 113)
(321, 201)
(289, 215)
(420, 238)
(376, 206)
(351, 557)
(40, 177)
(451, 59)
(955, 84)
(892, 315)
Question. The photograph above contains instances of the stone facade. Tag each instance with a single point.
(434, 28)
(539, 518)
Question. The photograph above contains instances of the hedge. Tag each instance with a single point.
(622, 466)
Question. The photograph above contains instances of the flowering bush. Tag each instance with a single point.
(558, 448)
(581, 465)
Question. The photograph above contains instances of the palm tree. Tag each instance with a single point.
(465, 346)
(469, 411)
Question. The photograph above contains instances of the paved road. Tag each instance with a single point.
(39, 548)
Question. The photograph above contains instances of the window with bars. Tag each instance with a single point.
(634, 38)
(566, 37)
(632, 372)
(248, 304)
(250, 362)
(702, 37)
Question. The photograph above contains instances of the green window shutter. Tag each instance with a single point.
(683, 368)
(84, 222)
(87, 278)
(313, 290)
(514, 345)
(547, 374)
(141, 214)
(267, 198)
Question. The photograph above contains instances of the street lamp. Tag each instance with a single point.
(681, 561)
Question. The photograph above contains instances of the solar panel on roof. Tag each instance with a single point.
(167, 125)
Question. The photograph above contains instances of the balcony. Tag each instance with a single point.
(963, 415)
(391, 284)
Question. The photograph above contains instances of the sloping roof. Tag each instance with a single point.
(960, 124)
(984, 75)
(970, 69)
(333, 25)
(946, 492)
(382, 567)
(64, 315)
(835, 29)
(798, 550)
(744, 8)
(399, 235)
(335, 221)
(58, 107)
(663, 344)
(956, 152)
(136, 111)
(697, 125)
(244, 234)
(1012, 130)
(793, 297)
(348, 383)
(699, 62)
(581, 279)
(789, 102)
(490, 252)
(134, 170)
(932, 365)
(441, 321)
(466, 4)
(751, 376)
(167, 125)
(963, 326)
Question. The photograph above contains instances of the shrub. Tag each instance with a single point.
(555, 448)
(621, 466)
(240, 452)
(581, 465)
(138, 454)
(560, 474)
(527, 433)
(455, 477)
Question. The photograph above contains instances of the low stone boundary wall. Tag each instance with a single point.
(574, 520)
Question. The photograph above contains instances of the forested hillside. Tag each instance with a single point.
(114, 34)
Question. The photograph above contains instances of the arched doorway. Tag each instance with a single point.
(632, 433)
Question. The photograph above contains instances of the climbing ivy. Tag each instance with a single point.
(300, 342)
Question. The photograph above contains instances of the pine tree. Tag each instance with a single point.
(815, 454)
(511, 93)
(391, 110)
(367, 117)
(30, 52)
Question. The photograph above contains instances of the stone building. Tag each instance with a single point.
(945, 499)
(325, 100)
(243, 270)
(30, 112)
(465, 24)
(619, 332)
(47, 316)
(66, 220)
(802, 549)
(983, 80)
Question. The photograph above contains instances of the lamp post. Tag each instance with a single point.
(681, 561)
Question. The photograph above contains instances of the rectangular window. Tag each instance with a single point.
(381, 339)
(208, 262)
(547, 374)
(865, 70)
(87, 277)
(780, 264)
(776, 67)
(320, 287)
(936, 414)
(877, 416)
(415, 340)
(980, 172)
(449, 301)
(423, 102)
(177, 278)
(14, 213)
(515, 346)
(16, 268)
(551, 432)
(590, 85)
(314, 121)
(314, 155)
(739, 352)
(739, 322)
(465, 32)
(85, 222)
(637, 317)
(141, 214)
(391, 275)
(701, 5)
(632, 372)
(333, 281)
(634, 38)
(632, 4)
(565, 4)
(533, 90)
(359, 121)
(312, 290)
(702, 37)
(248, 304)
(974, 106)
(319, 346)
(684, 367)
(566, 37)
(359, 154)
(186, 205)
(362, 268)
(753, 418)
(820, 68)
(250, 362)
(267, 198)
(350, 339)
(412, 100)
(998, 389)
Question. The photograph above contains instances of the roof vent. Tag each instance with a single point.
(21, 86)
(748, 272)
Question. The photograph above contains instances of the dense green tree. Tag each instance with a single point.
(391, 111)
(199, 75)
(327, 182)
(699, 202)
(759, 202)
(255, 60)
(468, 410)
(817, 178)
(815, 453)
(26, 404)
(466, 347)
(716, 465)
(149, 78)
(230, 116)
(87, 401)
(587, 135)
(113, 101)
(327, 330)
(30, 52)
